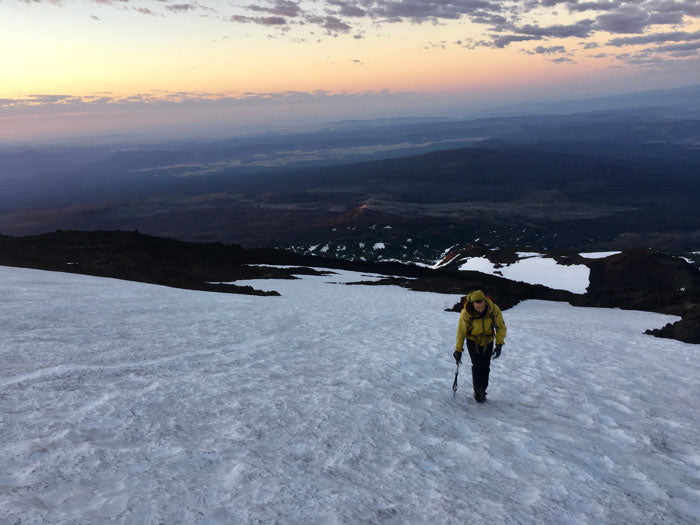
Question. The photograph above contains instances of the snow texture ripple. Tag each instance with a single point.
(133, 403)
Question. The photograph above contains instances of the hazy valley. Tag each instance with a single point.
(599, 180)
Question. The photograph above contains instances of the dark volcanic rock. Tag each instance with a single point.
(504, 292)
(136, 257)
(686, 330)
(642, 280)
(650, 281)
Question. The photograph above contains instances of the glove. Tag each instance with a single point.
(497, 351)
(458, 356)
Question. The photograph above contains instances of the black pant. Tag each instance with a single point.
(481, 363)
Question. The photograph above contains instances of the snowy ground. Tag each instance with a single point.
(135, 403)
(597, 255)
(534, 269)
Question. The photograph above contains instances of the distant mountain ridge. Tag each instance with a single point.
(681, 102)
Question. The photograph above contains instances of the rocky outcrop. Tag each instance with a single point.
(650, 281)
(686, 330)
(136, 257)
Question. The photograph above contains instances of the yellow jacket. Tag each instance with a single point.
(480, 329)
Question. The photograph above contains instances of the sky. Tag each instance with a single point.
(86, 67)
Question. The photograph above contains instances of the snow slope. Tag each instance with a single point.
(135, 403)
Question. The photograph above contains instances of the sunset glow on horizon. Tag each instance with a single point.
(82, 57)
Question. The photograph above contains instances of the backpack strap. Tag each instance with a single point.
(470, 322)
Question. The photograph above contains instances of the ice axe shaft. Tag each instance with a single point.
(454, 385)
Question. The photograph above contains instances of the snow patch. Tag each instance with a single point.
(378, 246)
(598, 255)
(440, 261)
(536, 270)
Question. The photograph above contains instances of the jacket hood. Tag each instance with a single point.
(476, 295)
(469, 307)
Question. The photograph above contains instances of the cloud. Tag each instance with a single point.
(50, 99)
(684, 45)
(685, 53)
(347, 9)
(580, 29)
(499, 22)
(546, 50)
(181, 8)
(331, 24)
(282, 8)
(421, 11)
(436, 45)
(626, 19)
(541, 50)
(591, 6)
(615, 17)
(688, 7)
(262, 20)
(339, 15)
(162, 100)
(666, 18)
(145, 11)
(503, 41)
(674, 36)
(689, 46)
(488, 19)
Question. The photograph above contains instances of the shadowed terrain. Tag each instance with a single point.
(404, 191)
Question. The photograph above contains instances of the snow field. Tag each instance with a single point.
(598, 255)
(332, 404)
(536, 270)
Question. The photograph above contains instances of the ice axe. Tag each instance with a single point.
(454, 385)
